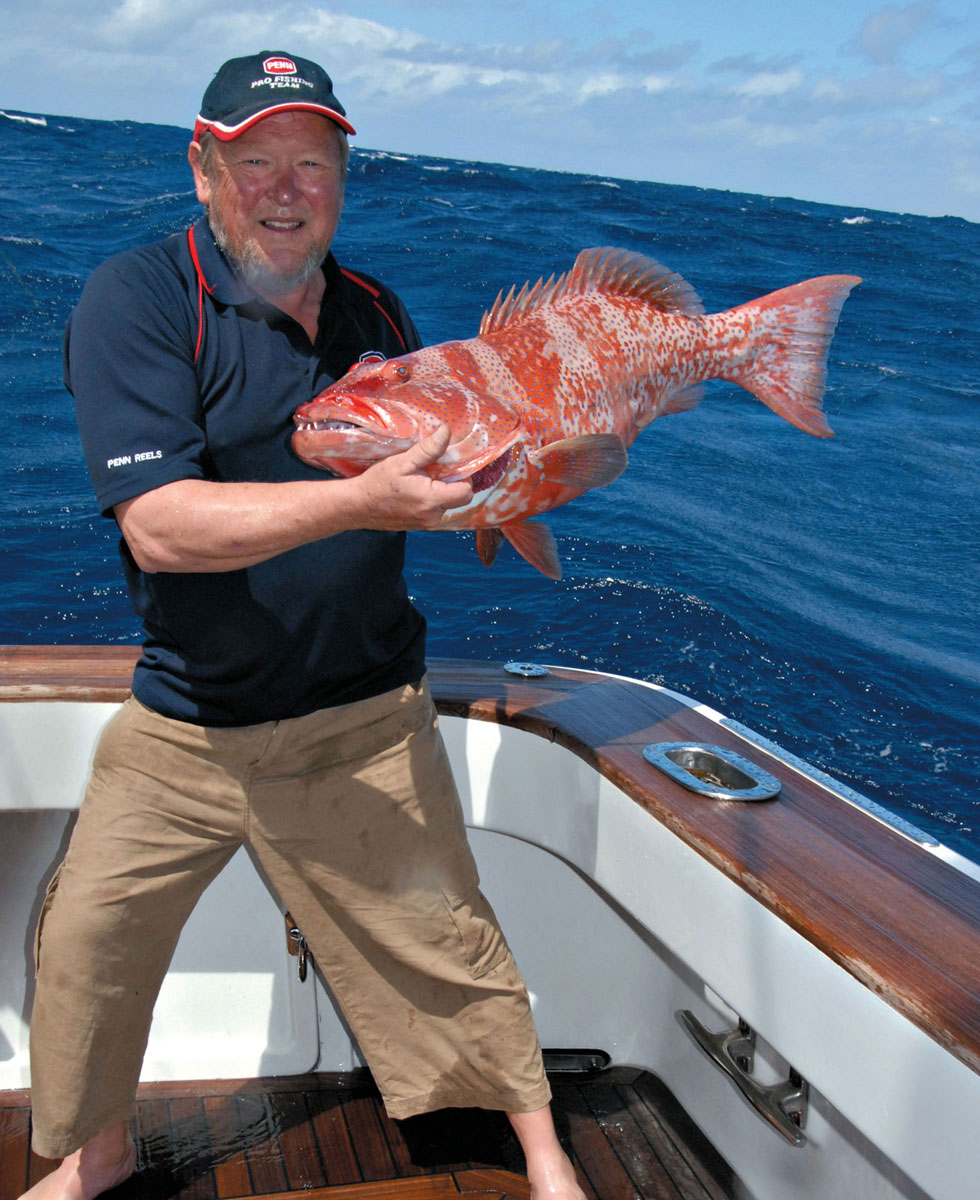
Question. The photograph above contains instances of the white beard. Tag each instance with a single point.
(254, 271)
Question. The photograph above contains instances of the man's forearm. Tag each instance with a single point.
(197, 525)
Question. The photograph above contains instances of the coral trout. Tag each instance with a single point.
(561, 378)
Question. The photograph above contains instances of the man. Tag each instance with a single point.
(279, 699)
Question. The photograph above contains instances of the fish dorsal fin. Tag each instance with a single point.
(601, 269)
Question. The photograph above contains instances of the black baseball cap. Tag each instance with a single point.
(247, 89)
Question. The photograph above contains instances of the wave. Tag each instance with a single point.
(41, 121)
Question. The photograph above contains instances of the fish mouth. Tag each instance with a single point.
(348, 431)
(344, 413)
(327, 426)
(354, 430)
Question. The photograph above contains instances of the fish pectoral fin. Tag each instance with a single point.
(488, 542)
(589, 461)
(684, 401)
(535, 543)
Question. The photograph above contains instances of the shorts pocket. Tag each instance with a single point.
(45, 909)
(483, 943)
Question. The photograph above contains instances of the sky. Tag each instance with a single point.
(851, 102)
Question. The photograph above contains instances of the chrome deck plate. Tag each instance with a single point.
(712, 771)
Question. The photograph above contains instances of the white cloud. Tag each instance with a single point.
(601, 85)
(771, 83)
(658, 83)
(885, 33)
(752, 64)
(137, 15)
(882, 89)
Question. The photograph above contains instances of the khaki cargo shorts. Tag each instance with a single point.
(353, 815)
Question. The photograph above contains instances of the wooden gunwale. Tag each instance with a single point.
(896, 917)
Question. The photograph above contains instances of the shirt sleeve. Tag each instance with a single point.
(128, 363)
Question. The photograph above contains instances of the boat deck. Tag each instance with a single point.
(317, 1136)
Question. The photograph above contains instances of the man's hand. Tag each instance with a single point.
(205, 525)
(398, 493)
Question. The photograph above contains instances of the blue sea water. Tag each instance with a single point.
(822, 592)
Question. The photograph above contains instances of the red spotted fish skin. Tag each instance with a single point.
(562, 377)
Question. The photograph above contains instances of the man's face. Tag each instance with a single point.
(274, 197)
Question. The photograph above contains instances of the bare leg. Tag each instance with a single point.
(551, 1175)
(102, 1163)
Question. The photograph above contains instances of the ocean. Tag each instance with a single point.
(821, 592)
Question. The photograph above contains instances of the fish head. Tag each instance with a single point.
(380, 409)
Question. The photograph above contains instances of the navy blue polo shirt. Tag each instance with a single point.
(179, 371)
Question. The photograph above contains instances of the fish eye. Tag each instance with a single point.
(398, 372)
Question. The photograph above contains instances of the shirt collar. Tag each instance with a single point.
(220, 278)
(213, 269)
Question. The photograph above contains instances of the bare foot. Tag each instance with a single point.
(555, 1182)
(549, 1171)
(101, 1164)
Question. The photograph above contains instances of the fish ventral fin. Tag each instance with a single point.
(488, 542)
(535, 543)
(601, 269)
(592, 460)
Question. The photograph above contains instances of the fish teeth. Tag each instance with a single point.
(320, 426)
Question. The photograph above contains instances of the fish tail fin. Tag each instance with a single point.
(787, 369)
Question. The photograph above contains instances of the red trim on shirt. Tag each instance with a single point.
(197, 263)
(375, 293)
(363, 282)
(202, 286)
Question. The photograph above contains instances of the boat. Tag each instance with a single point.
(750, 981)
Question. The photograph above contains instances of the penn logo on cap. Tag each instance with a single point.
(279, 66)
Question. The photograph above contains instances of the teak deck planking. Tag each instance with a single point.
(317, 1138)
